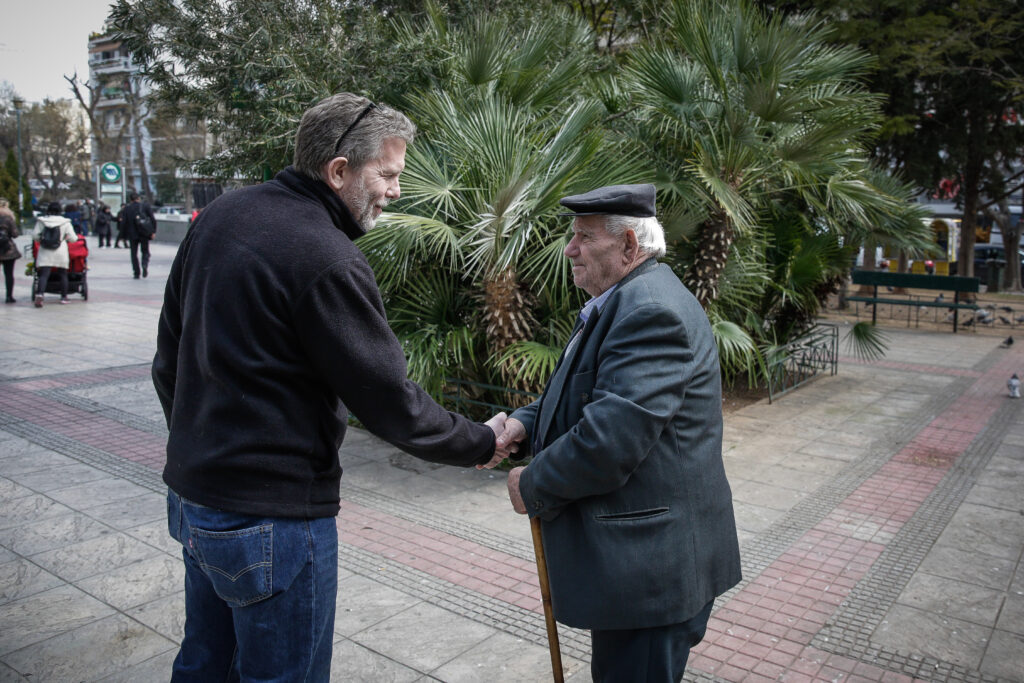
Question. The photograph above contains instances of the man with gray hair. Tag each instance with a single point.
(627, 475)
(272, 329)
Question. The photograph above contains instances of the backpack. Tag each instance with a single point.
(50, 237)
(144, 224)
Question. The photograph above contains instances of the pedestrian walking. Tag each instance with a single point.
(74, 214)
(627, 476)
(9, 252)
(121, 235)
(140, 227)
(88, 216)
(53, 232)
(272, 329)
(103, 220)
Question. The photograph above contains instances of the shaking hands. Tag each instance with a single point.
(508, 432)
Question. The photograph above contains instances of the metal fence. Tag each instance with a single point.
(466, 397)
(804, 358)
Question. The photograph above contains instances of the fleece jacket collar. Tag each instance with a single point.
(317, 189)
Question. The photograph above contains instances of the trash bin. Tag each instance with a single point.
(995, 274)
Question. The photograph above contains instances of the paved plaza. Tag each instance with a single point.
(881, 515)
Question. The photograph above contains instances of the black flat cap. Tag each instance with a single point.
(620, 200)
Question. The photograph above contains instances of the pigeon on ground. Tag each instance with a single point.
(968, 322)
(986, 321)
(1013, 384)
(1020, 318)
(1004, 320)
(1006, 308)
(940, 298)
(1008, 342)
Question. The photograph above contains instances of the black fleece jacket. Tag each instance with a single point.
(272, 328)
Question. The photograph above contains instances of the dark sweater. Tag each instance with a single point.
(272, 328)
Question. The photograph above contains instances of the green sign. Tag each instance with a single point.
(110, 172)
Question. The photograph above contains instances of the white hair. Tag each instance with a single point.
(649, 233)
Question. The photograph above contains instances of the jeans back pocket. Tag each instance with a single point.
(239, 563)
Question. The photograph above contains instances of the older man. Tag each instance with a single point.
(627, 473)
(272, 329)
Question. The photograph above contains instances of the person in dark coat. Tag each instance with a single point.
(272, 330)
(627, 475)
(119, 221)
(140, 228)
(103, 220)
(9, 252)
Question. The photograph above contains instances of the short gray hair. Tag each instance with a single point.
(319, 138)
(649, 233)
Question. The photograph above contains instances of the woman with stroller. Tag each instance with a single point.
(53, 232)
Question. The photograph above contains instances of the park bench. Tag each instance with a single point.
(944, 283)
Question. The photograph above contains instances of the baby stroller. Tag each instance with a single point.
(79, 253)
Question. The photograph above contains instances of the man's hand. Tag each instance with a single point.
(513, 490)
(506, 441)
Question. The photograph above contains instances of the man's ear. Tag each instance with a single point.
(334, 173)
(632, 248)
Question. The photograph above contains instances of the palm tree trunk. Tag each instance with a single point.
(716, 237)
(508, 319)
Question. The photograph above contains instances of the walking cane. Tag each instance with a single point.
(545, 596)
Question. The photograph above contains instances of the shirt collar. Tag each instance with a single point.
(596, 303)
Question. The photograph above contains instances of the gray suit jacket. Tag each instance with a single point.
(627, 475)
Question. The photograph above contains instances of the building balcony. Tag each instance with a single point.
(108, 66)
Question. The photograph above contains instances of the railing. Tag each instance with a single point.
(804, 358)
(464, 391)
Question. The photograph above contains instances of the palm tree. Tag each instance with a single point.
(740, 108)
(759, 128)
(508, 130)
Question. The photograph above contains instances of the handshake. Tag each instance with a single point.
(508, 432)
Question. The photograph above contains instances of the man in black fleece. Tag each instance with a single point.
(272, 329)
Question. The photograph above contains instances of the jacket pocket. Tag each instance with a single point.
(238, 563)
(631, 515)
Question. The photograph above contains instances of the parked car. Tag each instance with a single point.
(169, 210)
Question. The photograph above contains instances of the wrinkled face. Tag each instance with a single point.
(599, 258)
(368, 190)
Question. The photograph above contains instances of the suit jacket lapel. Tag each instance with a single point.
(553, 395)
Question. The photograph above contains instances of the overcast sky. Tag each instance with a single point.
(42, 40)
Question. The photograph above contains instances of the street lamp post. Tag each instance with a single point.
(18, 103)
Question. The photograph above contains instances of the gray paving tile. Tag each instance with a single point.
(25, 509)
(986, 530)
(155, 534)
(20, 578)
(10, 489)
(353, 662)
(47, 534)
(1011, 618)
(38, 617)
(911, 630)
(94, 556)
(362, 603)
(971, 567)
(164, 615)
(153, 669)
(130, 512)
(953, 598)
(1005, 656)
(403, 638)
(505, 658)
(9, 675)
(53, 478)
(137, 583)
(99, 492)
(89, 652)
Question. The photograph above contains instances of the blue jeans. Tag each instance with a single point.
(259, 595)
